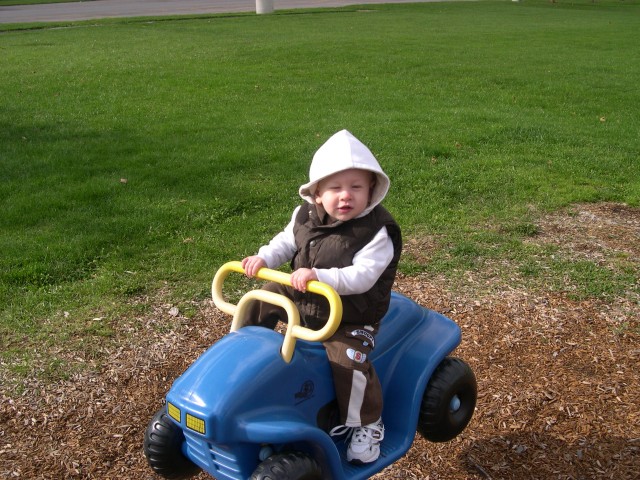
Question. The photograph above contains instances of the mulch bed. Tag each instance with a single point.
(558, 379)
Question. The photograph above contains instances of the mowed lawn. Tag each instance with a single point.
(136, 156)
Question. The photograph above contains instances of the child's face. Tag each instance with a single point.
(345, 195)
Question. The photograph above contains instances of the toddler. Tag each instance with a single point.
(341, 236)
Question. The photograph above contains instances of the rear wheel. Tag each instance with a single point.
(288, 466)
(449, 401)
(163, 448)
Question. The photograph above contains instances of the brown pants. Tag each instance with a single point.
(357, 386)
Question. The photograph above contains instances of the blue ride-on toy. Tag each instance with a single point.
(259, 404)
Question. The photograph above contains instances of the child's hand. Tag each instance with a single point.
(252, 264)
(300, 277)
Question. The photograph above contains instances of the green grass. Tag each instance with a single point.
(140, 155)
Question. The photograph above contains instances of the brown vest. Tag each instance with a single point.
(334, 245)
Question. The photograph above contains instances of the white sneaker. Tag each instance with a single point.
(365, 443)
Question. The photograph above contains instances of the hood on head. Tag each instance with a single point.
(341, 152)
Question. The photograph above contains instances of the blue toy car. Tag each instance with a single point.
(259, 405)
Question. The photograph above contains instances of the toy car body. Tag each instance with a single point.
(242, 411)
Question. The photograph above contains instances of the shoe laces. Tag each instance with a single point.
(374, 432)
(341, 430)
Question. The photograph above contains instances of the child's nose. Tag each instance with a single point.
(345, 194)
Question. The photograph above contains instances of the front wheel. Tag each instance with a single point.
(163, 449)
(449, 401)
(288, 466)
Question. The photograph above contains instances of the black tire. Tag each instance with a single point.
(288, 466)
(163, 448)
(449, 401)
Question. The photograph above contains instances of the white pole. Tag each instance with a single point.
(264, 6)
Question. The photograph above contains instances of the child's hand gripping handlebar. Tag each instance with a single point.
(294, 329)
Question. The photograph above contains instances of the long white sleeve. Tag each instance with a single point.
(368, 265)
(282, 247)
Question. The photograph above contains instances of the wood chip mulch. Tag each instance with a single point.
(559, 379)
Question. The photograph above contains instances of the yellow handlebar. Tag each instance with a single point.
(294, 329)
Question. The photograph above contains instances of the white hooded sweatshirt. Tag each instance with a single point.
(341, 152)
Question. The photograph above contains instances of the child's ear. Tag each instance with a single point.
(318, 199)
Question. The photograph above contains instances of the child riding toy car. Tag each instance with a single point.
(259, 404)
